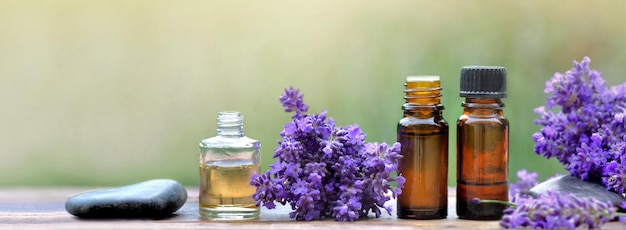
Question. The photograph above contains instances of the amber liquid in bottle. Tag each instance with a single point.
(423, 134)
(225, 191)
(482, 159)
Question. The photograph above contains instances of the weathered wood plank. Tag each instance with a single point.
(44, 208)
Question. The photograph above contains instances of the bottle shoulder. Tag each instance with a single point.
(409, 121)
(479, 119)
(229, 142)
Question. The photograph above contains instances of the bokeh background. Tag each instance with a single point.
(116, 92)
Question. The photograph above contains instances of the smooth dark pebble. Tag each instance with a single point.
(577, 187)
(148, 199)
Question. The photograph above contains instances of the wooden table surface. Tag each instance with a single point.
(29, 208)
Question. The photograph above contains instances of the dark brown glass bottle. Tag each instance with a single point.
(482, 143)
(423, 133)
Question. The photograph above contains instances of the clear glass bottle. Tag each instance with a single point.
(482, 143)
(227, 162)
(423, 134)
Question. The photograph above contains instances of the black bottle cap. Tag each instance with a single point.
(483, 81)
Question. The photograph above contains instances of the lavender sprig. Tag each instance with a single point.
(525, 181)
(555, 210)
(323, 170)
(588, 133)
(523, 185)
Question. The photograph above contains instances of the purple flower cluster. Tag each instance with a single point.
(588, 134)
(552, 210)
(523, 185)
(323, 170)
(555, 210)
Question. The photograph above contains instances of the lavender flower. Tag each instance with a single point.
(523, 185)
(323, 170)
(292, 101)
(587, 134)
(555, 210)
(558, 210)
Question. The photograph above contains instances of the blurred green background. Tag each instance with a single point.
(115, 92)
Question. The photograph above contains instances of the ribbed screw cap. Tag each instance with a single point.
(483, 81)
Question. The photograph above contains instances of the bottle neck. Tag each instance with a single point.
(483, 106)
(423, 111)
(230, 124)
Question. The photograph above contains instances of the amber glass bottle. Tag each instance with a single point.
(482, 143)
(423, 133)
